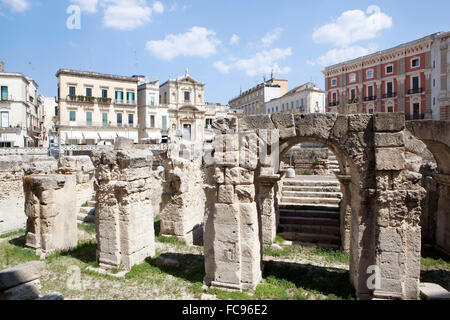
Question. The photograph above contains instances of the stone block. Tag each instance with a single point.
(433, 291)
(390, 240)
(390, 159)
(285, 124)
(25, 291)
(388, 122)
(245, 193)
(226, 194)
(226, 214)
(360, 122)
(122, 143)
(21, 274)
(395, 139)
(255, 122)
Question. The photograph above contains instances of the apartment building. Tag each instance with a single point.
(95, 107)
(306, 98)
(153, 117)
(184, 98)
(49, 119)
(411, 78)
(20, 111)
(253, 100)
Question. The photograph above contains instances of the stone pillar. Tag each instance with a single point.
(346, 212)
(443, 214)
(124, 212)
(182, 215)
(232, 234)
(267, 181)
(50, 206)
(397, 208)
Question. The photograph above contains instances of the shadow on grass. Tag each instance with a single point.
(328, 281)
(18, 242)
(191, 268)
(85, 252)
(157, 225)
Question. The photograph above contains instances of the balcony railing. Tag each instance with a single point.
(333, 104)
(410, 117)
(8, 99)
(353, 100)
(415, 90)
(370, 98)
(127, 102)
(104, 100)
(389, 95)
(96, 124)
(87, 99)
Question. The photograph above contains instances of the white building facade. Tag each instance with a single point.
(20, 122)
(307, 98)
(49, 118)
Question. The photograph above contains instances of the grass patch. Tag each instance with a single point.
(84, 252)
(433, 259)
(14, 255)
(87, 227)
(171, 240)
(19, 232)
(84, 205)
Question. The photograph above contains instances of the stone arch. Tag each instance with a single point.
(382, 234)
(436, 136)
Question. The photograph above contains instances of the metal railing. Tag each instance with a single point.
(415, 90)
(96, 124)
(354, 100)
(410, 117)
(389, 95)
(370, 98)
(333, 104)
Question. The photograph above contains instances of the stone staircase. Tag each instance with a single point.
(333, 164)
(87, 213)
(309, 212)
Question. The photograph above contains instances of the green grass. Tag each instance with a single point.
(433, 259)
(87, 227)
(84, 205)
(19, 232)
(171, 240)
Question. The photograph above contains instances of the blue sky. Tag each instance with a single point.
(227, 44)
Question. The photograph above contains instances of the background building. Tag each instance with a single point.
(19, 110)
(400, 79)
(49, 118)
(184, 99)
(94, 107)
(307, 98)
(153, 117)
(252, 101)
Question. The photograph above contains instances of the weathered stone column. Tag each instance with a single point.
(398, 208)
(182, 214)
(346, 212)
(266, 203)
(50, 206)
(443, 214)
(124, 212)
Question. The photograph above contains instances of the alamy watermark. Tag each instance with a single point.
(73, 22)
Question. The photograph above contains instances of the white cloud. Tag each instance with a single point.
(197, 41)
(271, 36)
(158, 7)
(88, 6)
(339, 55)
(234, 40)
(17, 5)
(262, 62)
(126, 14)
(353, 26)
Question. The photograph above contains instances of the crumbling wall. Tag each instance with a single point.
(307, 160)
(50, 206)
(124, 212)
(12, 198)
(184, 207)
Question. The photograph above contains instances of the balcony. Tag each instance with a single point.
(411, 117)
(389, 95)
(6, 99)
(77, 124)
(353, 100)
(415, 90)
(104, 100)
(333, 104)
(370, 98)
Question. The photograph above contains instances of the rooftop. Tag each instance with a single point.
(92, 74)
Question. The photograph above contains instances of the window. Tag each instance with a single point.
(187, 96)
(353, 94)
(4, 93)
(119, 96)
(389, 69)
(209, 122)
(105, 119)
(415, 63)
(334, 97)
(165, 97)
(390, 108)
(415, 83)
(71, 91)
(434, 64)
(89, 118)
(434, 101)
(352, 77)
(152, 100)
(130, 97)
(390, 88)
(130, 119)
(152, 120)
(370, 74)
(297, 104)
(434, 82)
(334, 82)
(292, 105)
(416, 110)
(72, 116)
(164, 122)
(56, 110)
(5, 119)
(370, 91)
(88, 92)
(104, 93)
(119, 119)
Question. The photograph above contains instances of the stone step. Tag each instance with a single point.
(313, 220)
(312, 194)
(311, 237)
(311, 245)
(92, 203)
(87, 210)
(309, 229)
(81, 217)
(305, 213)
(312, 188)
(312, 200)
(290, 182)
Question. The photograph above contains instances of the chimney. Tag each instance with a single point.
(2, 66)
